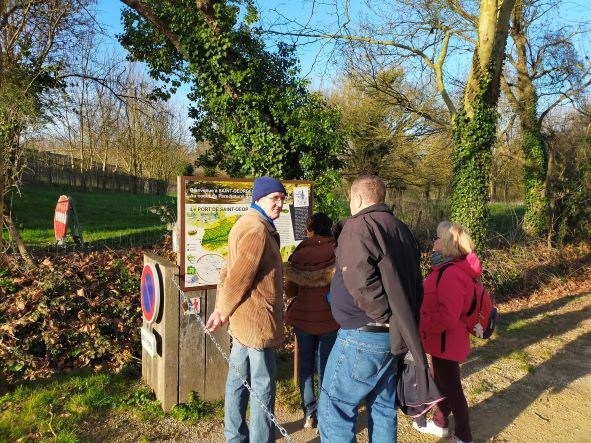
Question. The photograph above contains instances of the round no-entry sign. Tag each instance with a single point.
(150, 293)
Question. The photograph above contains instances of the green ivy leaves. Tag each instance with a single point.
(248, 103)
(472, 156)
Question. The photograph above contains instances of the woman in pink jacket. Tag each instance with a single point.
(444, 334)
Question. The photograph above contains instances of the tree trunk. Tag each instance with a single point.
(535, 170)
(534, 149)
(18, 241)
(474, 126)
(2, 190)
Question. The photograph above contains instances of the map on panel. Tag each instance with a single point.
(211, 207)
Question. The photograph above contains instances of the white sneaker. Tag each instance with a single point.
(311, 422)
(454, 439)
(431, 428)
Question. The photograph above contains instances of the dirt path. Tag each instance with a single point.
(531, 383)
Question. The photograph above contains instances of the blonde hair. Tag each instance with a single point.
(455, 240)
(370, 187)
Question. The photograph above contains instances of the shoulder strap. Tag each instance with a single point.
(440, 272)
(474, 302)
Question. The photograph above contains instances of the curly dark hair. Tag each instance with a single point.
(319, 223)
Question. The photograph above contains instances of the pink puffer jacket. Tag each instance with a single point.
(443, 333)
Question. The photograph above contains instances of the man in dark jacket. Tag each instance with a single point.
(375, 297)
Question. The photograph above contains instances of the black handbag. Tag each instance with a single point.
(416, 391)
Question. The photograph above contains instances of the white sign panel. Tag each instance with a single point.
(149, 342)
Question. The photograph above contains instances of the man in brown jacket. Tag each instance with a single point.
(250, 298)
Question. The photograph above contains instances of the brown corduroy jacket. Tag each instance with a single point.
(250, 292)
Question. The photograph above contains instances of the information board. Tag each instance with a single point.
(209, 207)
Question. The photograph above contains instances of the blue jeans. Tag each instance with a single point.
(313, 352)
(360, 367)
(258, 366)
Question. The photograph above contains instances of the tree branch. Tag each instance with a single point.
(438, 68)
(506, 88)
(356, 38)
(566, 95)
(161, 25)
(455, 6)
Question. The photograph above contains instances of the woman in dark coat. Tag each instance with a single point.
(308, 274)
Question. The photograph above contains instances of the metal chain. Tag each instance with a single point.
(245, 383)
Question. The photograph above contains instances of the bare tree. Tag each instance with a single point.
(544, 70)
(386, 139)
(430, 38)
(106, 120)
(34, 36)
(151, 139)
(506, 179)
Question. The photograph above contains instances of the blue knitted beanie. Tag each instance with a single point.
(264, 186)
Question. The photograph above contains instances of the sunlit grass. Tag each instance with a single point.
(517, 326)
(115, 217)
(522, 357)
(52, 410)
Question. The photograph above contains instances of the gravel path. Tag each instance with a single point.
(529, 386)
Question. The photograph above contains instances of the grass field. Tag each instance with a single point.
(119, 219)
(112, 218)
(505, 221)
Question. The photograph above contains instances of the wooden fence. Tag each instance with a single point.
(46, 168)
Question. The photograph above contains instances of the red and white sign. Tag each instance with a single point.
(150, 293)
(60, 218)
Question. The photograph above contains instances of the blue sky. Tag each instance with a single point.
(314, 62)
(109, 15)
(313, 57)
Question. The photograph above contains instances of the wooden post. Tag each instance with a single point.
(161, 370)
(187, 360)
(202, 368)
(191, 352)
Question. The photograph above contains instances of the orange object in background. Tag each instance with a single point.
(60, 219)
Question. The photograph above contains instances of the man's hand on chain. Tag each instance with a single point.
(214, 321)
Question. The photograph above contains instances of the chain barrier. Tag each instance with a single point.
(191, 310)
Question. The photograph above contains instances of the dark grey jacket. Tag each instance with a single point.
(379, 260)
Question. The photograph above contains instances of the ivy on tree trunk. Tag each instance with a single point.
(535, 170)
(526, 106)
(472, 157)
(475, 125)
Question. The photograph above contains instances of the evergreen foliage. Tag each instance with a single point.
(247, 102)
(536, 166)
(472, 158)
